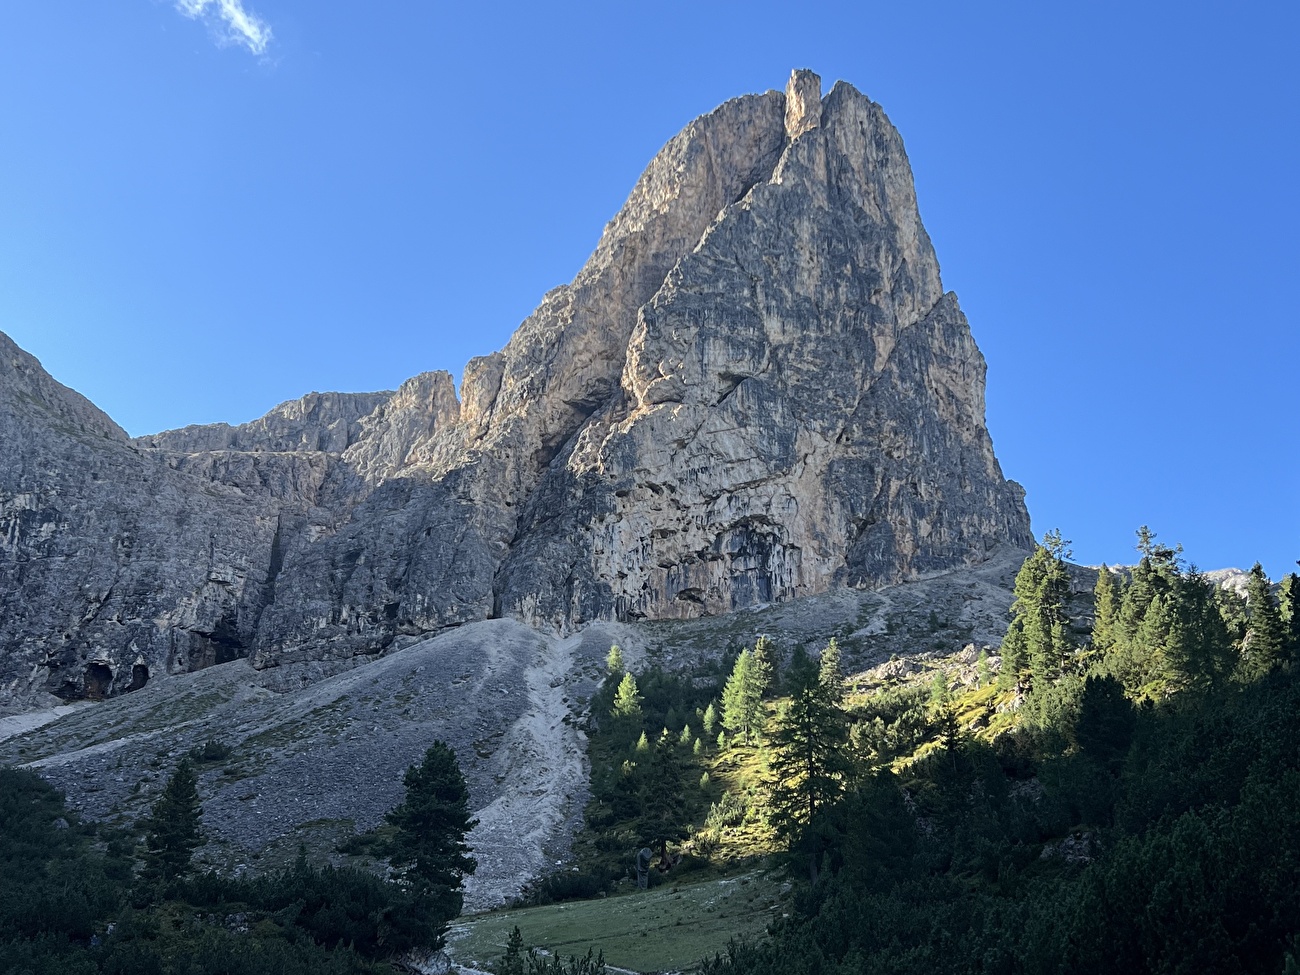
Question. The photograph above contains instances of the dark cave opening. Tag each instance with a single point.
(98, 682)
(139, 677)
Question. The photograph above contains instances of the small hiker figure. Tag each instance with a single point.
(667, 860)
(643, 867)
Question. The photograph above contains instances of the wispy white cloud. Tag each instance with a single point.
(230, 21)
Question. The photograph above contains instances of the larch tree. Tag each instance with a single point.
(742, 699)
(614, 661)
(710, 718)
(831, 672)
(627, 699)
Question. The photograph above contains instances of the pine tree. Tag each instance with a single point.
(663, 802)
(428, 850)
(742, 699)
(172, 829)
(1265, 638)
(684, 739)
(642, 744)
(1198, 649)
(1036, 636)
(1106, 612)
(830, 673)
(614, 661)
(808, 763)
(983, 671)
(627, 701)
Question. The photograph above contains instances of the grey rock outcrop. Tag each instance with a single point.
(113, 566)
(755, 389)
(328, 422)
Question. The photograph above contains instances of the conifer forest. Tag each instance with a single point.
(1112, 790)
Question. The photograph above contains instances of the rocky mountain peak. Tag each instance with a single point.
(803, 102)
(754, 390)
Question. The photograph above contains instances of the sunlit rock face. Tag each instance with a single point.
(755, 389)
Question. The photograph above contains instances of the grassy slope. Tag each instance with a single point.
(665, 929)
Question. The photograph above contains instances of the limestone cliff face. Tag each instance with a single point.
(802, 405)
(113, 566)
(755, 389)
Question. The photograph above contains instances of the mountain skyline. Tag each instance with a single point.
(370, 199)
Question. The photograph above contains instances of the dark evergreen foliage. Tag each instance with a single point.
(63, 883)
(172, 831)
(429, 849)
(1142, 817)
(809, 763)
(1266, 639)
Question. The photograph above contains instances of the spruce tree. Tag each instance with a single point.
(627, 701)
(1105, 723)
(1289, 612)
(1197, 650)
(1156, 574)
(1014, 657)
(172, 830)
(512, 962)
(663, 801)
(428, 849)
(1265, 638)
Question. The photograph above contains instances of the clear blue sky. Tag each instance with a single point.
(208, 207)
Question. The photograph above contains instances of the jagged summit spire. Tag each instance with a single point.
(803, 102)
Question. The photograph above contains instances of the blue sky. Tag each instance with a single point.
(211, 206)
